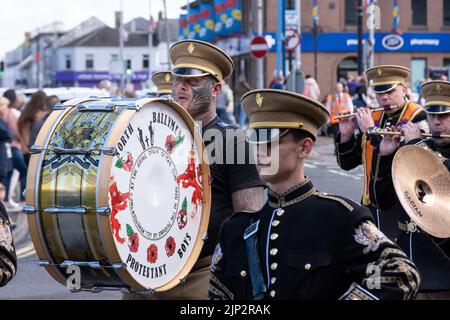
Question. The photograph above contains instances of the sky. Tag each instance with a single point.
(20, 16)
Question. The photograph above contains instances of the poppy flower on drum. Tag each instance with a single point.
(152, 253)
(170, 246)
(133, 242)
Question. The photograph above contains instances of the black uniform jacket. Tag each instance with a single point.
(431, 255)
(311, 245)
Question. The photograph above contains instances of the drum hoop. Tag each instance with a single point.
(102, 199)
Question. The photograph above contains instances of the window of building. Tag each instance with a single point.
(114, 57)
(68, 61)
(446, 62)
(145, 61)
(446, 12)
(89, 63)
(419, 12)
(351, 11)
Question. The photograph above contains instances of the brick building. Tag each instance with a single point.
(423, 45)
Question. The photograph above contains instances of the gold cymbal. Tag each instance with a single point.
(422, 184)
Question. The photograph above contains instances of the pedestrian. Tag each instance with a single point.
(338, 102)
(279, 83)
(34, 111)
(430, 254)
(389, 85)
(304, 244)
(312, 89)
(11, 118)
(199, 69)
(242, 88)
(163, 81)
(225, 105)
(6, 163)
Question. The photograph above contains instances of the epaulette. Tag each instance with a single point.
(324, 195)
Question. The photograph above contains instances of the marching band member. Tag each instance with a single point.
(163, 80)
(431, 255)
(198, 71)
(389, 85)
(8, 262)
(304, 244)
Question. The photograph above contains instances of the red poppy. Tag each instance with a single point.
(170, 246)
(133, 242)
(152, 253)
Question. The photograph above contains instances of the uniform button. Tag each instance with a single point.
(274, 236)
(275, 223)
(307, 266)
(274, 266)
(273, 251)
(243, 273)
(272, 293)
(280, 212)
(273, 280)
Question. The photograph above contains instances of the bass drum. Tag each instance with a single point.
(120, 191)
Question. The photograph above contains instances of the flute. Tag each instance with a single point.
(379, 132)
(343, 116)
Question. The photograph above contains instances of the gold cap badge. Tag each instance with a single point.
(191, 48)
(259, 100)
(167, 77)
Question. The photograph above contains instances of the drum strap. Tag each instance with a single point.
(253, 261)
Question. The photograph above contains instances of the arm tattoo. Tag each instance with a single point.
(248, 200)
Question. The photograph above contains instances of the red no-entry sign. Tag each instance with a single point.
(258, 47)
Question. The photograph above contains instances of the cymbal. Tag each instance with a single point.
(422, 184)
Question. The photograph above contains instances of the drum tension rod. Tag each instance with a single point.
(110, 151)
(90, 264)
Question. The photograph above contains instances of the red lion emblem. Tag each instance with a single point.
(190, 178)
(118, 203)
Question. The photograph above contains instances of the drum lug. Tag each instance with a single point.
(104, 211)
(43, 263)
(106, 108)
(119, 266)
(29, 209)
(133, 106)
(35, 149)
(183, 280)
(110, 151)
(54, 210)
(168, 97)
(60, 106)
(205, 236)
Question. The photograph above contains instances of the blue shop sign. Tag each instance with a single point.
(384, 42)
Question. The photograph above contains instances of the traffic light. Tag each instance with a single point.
(2, 69)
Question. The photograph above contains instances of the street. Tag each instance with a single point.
(33, 282)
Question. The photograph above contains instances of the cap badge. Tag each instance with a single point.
(380, 72)
(167, 77)
(259, 100)
(191, 48)
(439, 88)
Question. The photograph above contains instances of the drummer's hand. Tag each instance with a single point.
(389, 144)
(411, 131)
(346, 128)
(364, 118)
